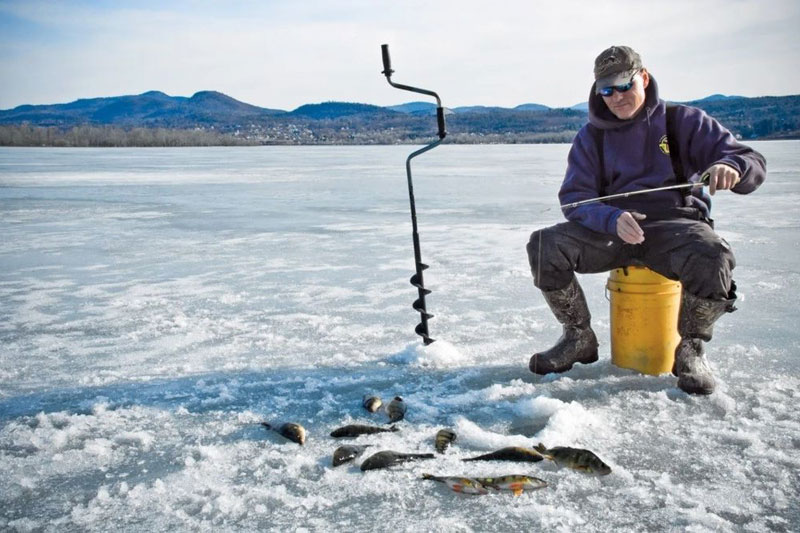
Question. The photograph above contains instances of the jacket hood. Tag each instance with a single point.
(602, 118)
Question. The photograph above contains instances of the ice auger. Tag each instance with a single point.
(416, 279)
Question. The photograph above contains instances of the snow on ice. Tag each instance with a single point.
(157, 305)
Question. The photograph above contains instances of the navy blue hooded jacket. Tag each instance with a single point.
(636, 158)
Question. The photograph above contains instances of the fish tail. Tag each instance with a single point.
(429, 476)
(266, 425)
(394, 428)
(540, 448)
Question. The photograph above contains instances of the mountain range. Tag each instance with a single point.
(156, 107)
(358, 123)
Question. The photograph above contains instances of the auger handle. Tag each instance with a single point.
(387, 61)
(387, 71)
(440, 120)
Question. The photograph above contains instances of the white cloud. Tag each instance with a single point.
(284, 54)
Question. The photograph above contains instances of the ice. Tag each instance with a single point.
(157, 305)
(437, 355)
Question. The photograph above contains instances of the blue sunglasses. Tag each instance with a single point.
(608, 91)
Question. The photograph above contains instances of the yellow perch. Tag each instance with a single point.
(575, 458)
(464, 485)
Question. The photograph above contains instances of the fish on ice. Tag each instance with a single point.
(354, 430)
(389, 458)
(347, 453)
(290, 430)
(371, 402)
(396, 409)
(515, 483)
(464, 485)
(575, 458)
(511, 453)
(444, 437)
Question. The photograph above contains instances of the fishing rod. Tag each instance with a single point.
(416, 279)
(703, 181)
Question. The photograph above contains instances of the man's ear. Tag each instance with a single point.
(645, 78)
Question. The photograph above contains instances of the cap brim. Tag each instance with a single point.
(620, 78)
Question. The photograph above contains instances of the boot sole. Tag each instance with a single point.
(701, 391)
(543, 372)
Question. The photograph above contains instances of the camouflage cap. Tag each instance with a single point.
(615, 66)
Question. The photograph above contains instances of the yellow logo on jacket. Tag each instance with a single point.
(664, 145)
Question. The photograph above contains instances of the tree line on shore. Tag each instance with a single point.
(114, 136)
(337, 123)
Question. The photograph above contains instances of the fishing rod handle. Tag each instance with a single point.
(387, 61)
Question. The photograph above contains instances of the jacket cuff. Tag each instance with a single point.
(730, 163)
(611, 225)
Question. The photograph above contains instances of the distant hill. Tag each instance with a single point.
(479, 109)
(414, 107)
(764, 117)
(531, 107)
(330, 110)
(717, 98)
(111, 121)
(149, 109)
(430, 108)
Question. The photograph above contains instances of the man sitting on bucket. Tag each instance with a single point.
(625, 147)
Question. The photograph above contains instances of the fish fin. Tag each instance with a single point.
(517, 491)
(428, 476)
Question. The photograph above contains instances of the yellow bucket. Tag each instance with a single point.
(644, 319)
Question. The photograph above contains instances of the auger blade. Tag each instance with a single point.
(422, 331)
(415, 281)
(419, 305)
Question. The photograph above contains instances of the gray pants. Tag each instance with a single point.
(680, 249)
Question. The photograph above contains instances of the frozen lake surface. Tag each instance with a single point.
(156, 305)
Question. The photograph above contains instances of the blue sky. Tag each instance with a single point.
(283, 54)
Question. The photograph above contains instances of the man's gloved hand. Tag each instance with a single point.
(628, 229)
(720, 177)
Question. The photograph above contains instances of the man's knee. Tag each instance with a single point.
(534, 247)
(550, 265)
(706, 269)
(545, 251)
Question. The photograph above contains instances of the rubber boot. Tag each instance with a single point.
(578, 343)
(695, 326)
